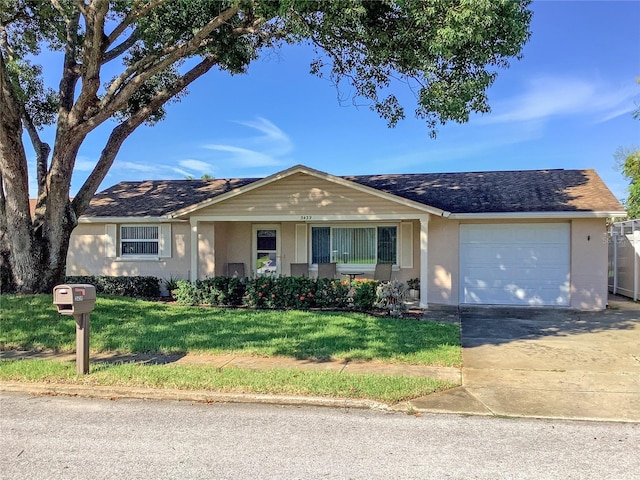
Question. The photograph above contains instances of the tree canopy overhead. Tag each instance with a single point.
(450, 49)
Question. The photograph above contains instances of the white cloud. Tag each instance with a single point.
(197, 165)
(257, 151)
(83, 164)
(274, 139)
(182, 173)
(549, 96)
(137, 167)
(244, 157)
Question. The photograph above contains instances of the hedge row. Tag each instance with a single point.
(279, 292)
(298, 293)
(134, 286)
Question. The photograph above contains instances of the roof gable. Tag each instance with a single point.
(297, 170)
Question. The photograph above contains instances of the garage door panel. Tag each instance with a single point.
(515, 264)
(489, 254)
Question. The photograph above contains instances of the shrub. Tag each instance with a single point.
(170, 285)
(391, 296)
(296, 292)
(218, 291)
(300, 293)
(364, 294)
(134, 286)
(332, 293)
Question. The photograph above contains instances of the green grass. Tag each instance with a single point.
(125, 325)
(388, 389)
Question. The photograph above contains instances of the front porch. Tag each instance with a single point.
(270, 246)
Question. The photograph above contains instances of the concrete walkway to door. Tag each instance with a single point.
(548, 363)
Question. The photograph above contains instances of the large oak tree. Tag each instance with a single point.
(450, 50)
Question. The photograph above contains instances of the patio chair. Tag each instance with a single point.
(326, 270)
(299, 269)
(382, 272)
(235, 270)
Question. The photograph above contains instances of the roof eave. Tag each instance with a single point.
(537, 215)
(144, 219)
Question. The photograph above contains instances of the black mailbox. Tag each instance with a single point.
(74, 298)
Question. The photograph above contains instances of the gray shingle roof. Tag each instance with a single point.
(472, 192)
(501, 191)
(155, 198)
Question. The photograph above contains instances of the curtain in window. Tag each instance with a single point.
(354, 245)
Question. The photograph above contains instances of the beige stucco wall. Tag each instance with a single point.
(207, 250)
(87, 255)
(443, 261)
(589, 263)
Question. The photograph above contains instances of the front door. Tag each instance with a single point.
(266, 248)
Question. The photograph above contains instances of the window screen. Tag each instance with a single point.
(139, 240)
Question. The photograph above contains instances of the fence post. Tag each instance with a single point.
(614, 238)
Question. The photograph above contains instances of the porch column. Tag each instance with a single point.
(193, 272)
(424, 260)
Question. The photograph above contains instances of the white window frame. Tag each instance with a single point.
(360, 266)
(139, 255)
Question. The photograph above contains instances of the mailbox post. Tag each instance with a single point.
(77, 300)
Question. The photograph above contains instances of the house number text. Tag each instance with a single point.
(305, 217)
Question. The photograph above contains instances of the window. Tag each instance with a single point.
(138, 240)
(354, 245)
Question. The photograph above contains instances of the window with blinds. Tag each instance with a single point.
(136, 240)
(354, 245)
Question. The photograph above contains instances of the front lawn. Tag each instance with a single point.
(126, 325)
(129, 326)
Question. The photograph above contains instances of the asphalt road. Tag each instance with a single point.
(69, 438)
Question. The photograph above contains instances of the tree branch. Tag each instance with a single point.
(122, 131)
(131, 17)
(41, 148)
(115, 52)
(121, 90)
(61, 11)
(69, 74)
(93, 49)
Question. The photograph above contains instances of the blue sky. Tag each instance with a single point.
(566, 104)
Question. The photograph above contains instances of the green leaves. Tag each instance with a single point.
(445, 49)
(40, 103)
(628, 160)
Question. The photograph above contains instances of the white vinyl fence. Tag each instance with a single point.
(624, 258)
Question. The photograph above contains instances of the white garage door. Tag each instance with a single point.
(515, 264)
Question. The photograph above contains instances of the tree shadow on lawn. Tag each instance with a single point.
(305, 335)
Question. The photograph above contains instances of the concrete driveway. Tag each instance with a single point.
(551, 363)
